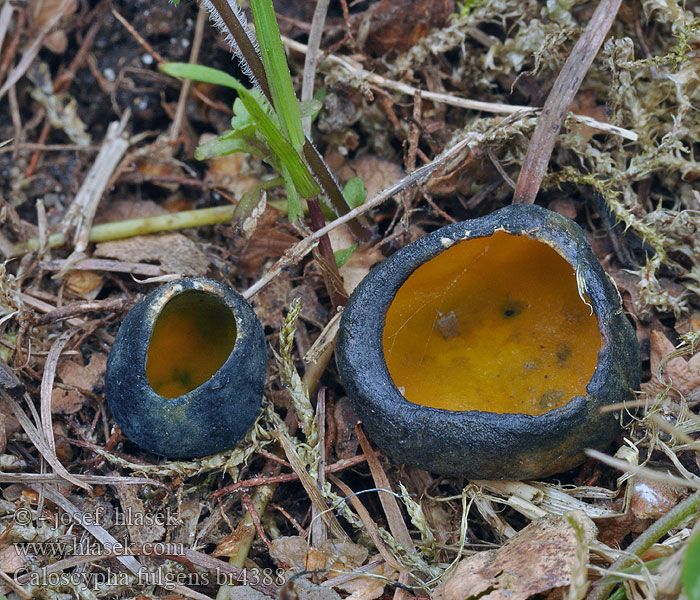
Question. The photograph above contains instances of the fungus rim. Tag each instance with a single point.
(169, 293)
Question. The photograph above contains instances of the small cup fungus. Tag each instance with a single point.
(487, 348)
(186, 372)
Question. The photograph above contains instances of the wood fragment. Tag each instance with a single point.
(311, 487)
(560, 98)
(394, 518)
(47, 387)
(82, 210)
(319, 531)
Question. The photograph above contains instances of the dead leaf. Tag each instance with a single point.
(250, 223)
(64, 451)
(160, 164)
(232, 172)
(360, 262)
(585, 104)
(269, 241)
(74, 374)
(613, 531)
(564, 206)
(400, 24)
(174, 252)
(653, 499)
(369, 588)
(539, 558)
(338, 555)
(690, 323)
(129, 209)
(682, 373)
(272, 301)
(11, 561)
(42, 11)
(376, 173)
(86, 284)
(131, 505)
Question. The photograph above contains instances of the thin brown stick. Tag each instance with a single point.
(109, 305)
(45, 130)
(137, 36)
(394, 518)
(187, 83)
(255, 517)
(256, 481)
(11, 50)
(16, 588)
(563, 91)
(311, 60)
(326, 259)
(63, 81)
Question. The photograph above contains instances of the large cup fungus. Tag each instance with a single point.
(186, 372)
(487, 348)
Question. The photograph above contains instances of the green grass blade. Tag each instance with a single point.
(201, 73)
(256, 106)
(296, 168)
(222, 147)
(294, 208)
(690, 573)
(278, 76)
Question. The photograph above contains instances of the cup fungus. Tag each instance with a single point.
(186, 372)
(488, 347)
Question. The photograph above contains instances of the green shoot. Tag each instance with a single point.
(342, 256)
(354, 192)
(278, 76)
(256, 130)
(690, 573)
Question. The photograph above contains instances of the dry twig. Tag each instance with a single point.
(560, 97)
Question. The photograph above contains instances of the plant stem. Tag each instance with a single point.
(130, 227)
(325, 178)
(245, 46)
(326, 262)
(560, 97)
(652, 535)
(245, 530)
(313, 158)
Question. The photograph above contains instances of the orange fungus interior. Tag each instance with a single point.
(493, 324)
(192, 338)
